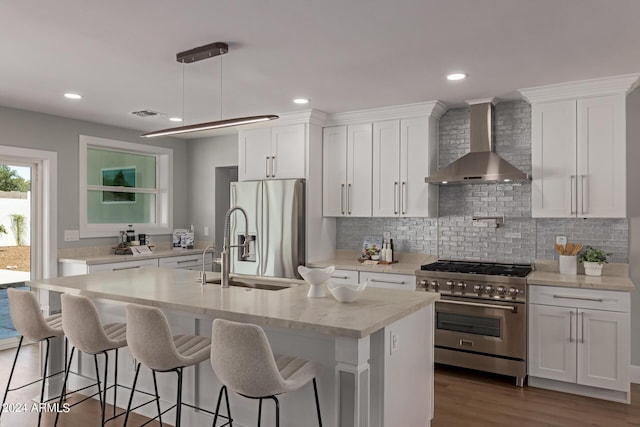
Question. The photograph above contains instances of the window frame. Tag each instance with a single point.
(163, 190)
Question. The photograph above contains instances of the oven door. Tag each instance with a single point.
(481, 326)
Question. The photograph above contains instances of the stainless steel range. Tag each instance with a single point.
(481, 318)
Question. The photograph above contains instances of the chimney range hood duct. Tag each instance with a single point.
(481, 164)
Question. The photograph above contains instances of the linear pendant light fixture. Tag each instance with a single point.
(198, 54)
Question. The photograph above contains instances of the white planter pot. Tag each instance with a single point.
(592, 268)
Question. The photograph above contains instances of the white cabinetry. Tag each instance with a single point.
(580, 337)
(403, 153)
(579, 148)
(187, 262)
(127, 265)
(346, 185)
(277, 152)
(389, 280)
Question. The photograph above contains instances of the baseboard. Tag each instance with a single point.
(634, 374)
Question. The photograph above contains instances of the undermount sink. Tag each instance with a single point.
(252, 285)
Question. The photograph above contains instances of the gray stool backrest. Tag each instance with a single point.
(27, 317)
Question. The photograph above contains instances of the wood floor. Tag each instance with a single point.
(462, 398)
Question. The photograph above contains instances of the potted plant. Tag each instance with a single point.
(593, 259)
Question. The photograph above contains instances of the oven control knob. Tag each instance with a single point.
(435, 285)
(477, 289)
(461, 285)
(450, 284)
(424, 284)
(489, 289)
(513, 292)
(501, 290)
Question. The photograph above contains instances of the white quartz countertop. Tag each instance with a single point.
(407, 263)
(290, 308)
(109, 258)
(615, 277)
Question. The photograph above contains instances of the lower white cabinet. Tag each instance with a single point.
(580, 336)
(388, 280)
(187, 262)
(126, 265)
(345, 277)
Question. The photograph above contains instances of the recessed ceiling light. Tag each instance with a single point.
(456, 76)
(72, 96)
(175, 119)
(301, 101)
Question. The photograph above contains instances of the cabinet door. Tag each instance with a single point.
(254, 154)
(553, 161)
(603, 349)
(345, 277)
(418, 199)
(386, 169)
(601, 157)
(288, 151)
(359, 164)
(334, 171)
(388, 280)
(552, 342)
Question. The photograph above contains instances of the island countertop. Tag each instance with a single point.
(290, 308)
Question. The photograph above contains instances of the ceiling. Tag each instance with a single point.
(343, 55)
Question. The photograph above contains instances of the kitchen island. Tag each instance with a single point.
(376, 353)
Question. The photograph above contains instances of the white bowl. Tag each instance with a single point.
(346, 293)
(316, 276)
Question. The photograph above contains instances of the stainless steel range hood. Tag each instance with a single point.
(481, 164)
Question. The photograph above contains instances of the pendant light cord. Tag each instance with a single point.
(221, 86)
(184, 119)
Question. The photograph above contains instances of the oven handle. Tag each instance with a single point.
(511, 308)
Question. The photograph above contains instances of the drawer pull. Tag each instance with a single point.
(125, 268)
(187, 260)
(340, 277)
(394, 282)
(579, 298)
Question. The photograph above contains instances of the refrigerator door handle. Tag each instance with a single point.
(266, 166)
(273, 166)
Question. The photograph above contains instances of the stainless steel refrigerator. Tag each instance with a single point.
(275, 211)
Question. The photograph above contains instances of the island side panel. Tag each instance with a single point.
(352, 397)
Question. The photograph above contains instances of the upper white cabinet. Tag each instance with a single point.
(277, 152)
(375, 161)
(403, 154)
(579, 148)
(346, 170)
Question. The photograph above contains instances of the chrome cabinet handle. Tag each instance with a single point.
(340, 277)
(582, 335)
(187, 260)
(403, 198)
(273, 167)
(342, 198)
(477, 304)
(395, 197)
(571, 326)
(572, 197)
(579, 298)
(349, 198)
(125, 268)
(395, 282)
(582, 194)
(266, 166)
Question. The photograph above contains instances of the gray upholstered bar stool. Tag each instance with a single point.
(28, 320)
(242, 359)
(151, 343)
(82, 326)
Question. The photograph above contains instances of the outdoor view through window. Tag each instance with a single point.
(15, 241)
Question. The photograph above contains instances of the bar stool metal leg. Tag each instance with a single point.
(315, 392)
(179, 398)
(64, 385)
(115, 384)
(259, 412)
(133, 390)
(155, 387)
(105, 387)
(13, 367)
(95, 363)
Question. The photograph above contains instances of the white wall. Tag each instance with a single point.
(203, 156)
(633, 203)
(38, 131)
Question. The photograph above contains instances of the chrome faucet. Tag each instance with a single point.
(203, 274)
(226, 245)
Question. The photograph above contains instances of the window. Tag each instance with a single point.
(123, 183)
